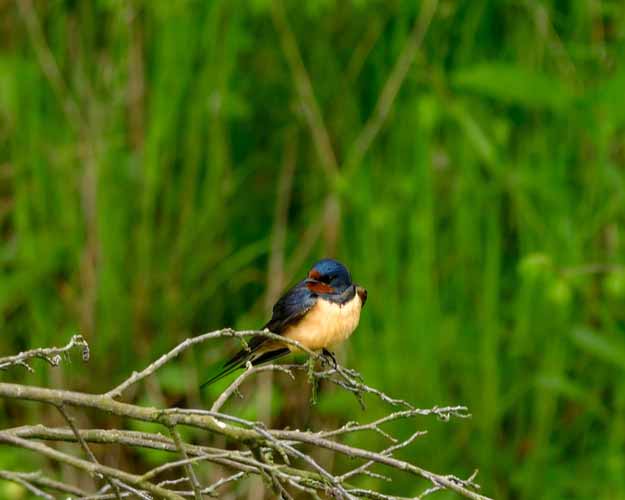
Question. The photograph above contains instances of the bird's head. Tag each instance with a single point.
(331, 273)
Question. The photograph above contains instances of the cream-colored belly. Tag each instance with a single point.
(326, 324)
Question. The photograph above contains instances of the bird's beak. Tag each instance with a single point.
(362, 293)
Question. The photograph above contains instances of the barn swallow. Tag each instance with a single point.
(318, 312)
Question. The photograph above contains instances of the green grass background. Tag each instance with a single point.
(158, 177)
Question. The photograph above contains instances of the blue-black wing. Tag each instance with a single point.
(291, 307)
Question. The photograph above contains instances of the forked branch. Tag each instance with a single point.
(281, 456)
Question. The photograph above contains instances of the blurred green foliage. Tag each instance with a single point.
(142, 149)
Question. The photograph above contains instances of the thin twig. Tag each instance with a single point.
(26, 482)
(114, 436)
(179, 463)
(250, 370)
(226, 332)
(207, 420)
(50, 354)
(38, 479)
(86, 465)
(388, 451)
(210, 490)
(132, 491)
(193, 481)
(275, 453)
(83, 444)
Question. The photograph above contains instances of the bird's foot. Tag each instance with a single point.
(329, 357)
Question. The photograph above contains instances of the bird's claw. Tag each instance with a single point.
(329, 357)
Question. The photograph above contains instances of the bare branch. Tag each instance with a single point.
(388, 451)
(83, 444)
(250, 370)
(226, 332)
(225, 480)
(38, 479)
(115, 436)
(186, 464)
(50, 354)
(26, 482)
(85, 465)
(275, 454)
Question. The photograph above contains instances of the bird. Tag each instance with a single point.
(320, 311)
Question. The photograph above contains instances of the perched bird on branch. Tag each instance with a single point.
(318, 312)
